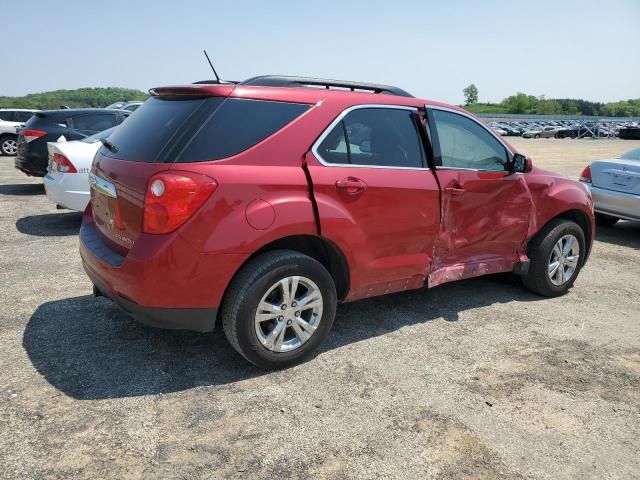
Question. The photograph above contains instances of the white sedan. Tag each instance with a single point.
(615, 186)
(67, 178)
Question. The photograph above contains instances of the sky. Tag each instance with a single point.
(560, 49)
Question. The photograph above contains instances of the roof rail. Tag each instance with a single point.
(286, 81)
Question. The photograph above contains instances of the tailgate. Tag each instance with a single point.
(117, 199)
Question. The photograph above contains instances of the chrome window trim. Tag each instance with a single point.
(478, 170)
(340, 117)
(475, 120)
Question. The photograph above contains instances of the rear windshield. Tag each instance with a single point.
(166, 129)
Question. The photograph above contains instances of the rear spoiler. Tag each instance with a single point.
(194, 90)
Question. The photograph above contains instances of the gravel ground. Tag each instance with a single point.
(468, 380)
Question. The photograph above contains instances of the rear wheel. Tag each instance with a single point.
(606, 220)
(279, 308)
(537, 135)
(8, 145)
(557, 255)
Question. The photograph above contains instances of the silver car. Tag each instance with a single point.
(615, 186)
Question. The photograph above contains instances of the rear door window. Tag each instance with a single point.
(7, 116)
(374, 136)
(93, 122)
(23, 116)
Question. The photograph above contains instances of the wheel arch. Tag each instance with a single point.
(319, 248)
(582, 220)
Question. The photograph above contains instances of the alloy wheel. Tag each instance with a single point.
(9, 146)
(288, 314)
(563, 260)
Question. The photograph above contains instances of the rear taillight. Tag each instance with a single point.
(172, 198)
(60, 163)
(585, 176)
(31, 135)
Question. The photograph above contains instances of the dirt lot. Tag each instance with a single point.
(468, 380)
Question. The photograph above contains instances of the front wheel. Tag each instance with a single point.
(556, 256)
(279, 308)
(8, 145)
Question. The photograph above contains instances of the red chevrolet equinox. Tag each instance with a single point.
(260, 205)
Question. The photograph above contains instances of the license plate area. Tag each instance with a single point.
(104, 199)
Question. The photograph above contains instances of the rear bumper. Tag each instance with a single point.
(69, 190)
(162, 281)
(617, 204)
(196, 319)
(30, 164)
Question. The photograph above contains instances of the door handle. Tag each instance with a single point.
(351, 185)
(454, 191)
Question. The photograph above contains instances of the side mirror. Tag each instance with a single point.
(521, 164)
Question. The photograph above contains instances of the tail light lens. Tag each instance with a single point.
(60, 163)
(31, 135)
(585, 176)
(172, 198)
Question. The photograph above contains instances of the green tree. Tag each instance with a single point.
(79, 98)
(470, 94)
(572, 108)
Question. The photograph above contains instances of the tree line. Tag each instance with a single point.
(78, 98)
(530, 104)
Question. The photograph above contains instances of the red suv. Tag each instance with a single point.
(262, 204)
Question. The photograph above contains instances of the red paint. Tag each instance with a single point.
(260, 214)
(485, 218)
(397, 228)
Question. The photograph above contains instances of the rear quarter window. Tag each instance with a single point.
(94, 122)
(198, 129)
(238, 124)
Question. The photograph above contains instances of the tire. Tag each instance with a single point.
(257, 283)
(537, 135)
(541, 253)
(605, 220)
(8, 145)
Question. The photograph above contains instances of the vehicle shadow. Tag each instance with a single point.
(89, 349)
(50, 224)
(623, 233)
(22, 189)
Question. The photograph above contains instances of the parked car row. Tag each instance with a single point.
(55, 126)
(567, 129)
(259, 206)
(13, 119)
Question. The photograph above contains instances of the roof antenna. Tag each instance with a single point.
(211, 64)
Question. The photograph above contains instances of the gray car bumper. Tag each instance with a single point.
(618, 204)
